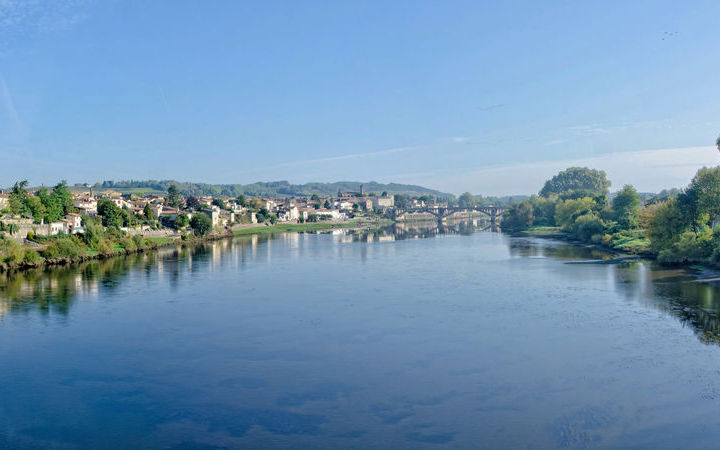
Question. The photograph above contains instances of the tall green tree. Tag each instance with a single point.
(147, 212)
(466, 200)
(518, 217)
(201, 224)
(626, 206)
(111, 215)
(174, 198)
(577, 178)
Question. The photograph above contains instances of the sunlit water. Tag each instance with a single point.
(463, 340)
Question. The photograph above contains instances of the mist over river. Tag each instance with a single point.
(400, 338)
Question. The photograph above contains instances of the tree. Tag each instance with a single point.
(577, 178)
(626, 205)
(262, 215)
(192, 202)
(566, 212)
(201, 224)
(314, 197)
(519, 217)
(466, 200)
(181, 221)
(111, 215)
(327, 204)
(219, 203)
(241, 200)
(717, 143)
(704, 191)
(17, 197)
(665, 224)
(174, 198)
(147, 212)
(93, 233)
(62, 197)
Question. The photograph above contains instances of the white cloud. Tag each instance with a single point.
(40, 16)
(647, 170)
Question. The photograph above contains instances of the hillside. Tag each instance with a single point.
(269, 189)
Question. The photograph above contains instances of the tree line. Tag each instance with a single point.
(677, 226)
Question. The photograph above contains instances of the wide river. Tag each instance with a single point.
(463, 339)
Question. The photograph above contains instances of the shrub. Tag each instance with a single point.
(103, 247)
(588, 225)
(65, 248)
(93, 233)
(31, 256)
(11, 250)
(128, 244)
(201, 224)
(30, 236)
(139, 241)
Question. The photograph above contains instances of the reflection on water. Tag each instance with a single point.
(343, 340)
(676, 291)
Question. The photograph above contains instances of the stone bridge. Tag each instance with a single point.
(494, 212)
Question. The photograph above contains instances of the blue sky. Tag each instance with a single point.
(490, 97)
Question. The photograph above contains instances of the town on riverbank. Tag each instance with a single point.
(73, 223)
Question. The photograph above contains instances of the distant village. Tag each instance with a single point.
(158, 214)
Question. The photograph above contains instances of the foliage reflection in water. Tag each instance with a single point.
(678, 291)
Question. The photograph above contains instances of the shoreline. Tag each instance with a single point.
(6, 267)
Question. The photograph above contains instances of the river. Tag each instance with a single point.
(408, 338)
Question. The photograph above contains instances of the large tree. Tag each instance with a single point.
(174, 198)
(201, 224)
(466, 200)
(626, 205)
(577, 179)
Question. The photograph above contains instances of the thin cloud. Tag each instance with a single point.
(37, 16)
(8, 107)
(341, 157)
(647, 170)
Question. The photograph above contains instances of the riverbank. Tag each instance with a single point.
(149, 244)
(623, 248)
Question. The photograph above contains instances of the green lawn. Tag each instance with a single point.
(295, 227)
(160, 240)
(541, 231)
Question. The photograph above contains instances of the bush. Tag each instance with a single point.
(103, 247)
(11, 250)
(31, 256)
(139, 241)
(30, 236)
(588, 225)
(65, 248)
(128, 244)
(201, 224)
(93, 233)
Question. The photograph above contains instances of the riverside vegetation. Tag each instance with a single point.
(676, 227)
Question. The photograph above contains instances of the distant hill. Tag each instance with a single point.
(269, 189)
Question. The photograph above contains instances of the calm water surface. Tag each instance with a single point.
(460, 340)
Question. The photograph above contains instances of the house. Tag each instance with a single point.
(383, 202)
(86, 205)
(74, 223)
(288, 213)
(170, 213)
(330, 214)
(57, 228)
(4, 200)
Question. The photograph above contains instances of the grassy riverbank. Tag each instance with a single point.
(623, 243)
(315, 226)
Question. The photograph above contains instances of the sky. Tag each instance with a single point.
(480, 96)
